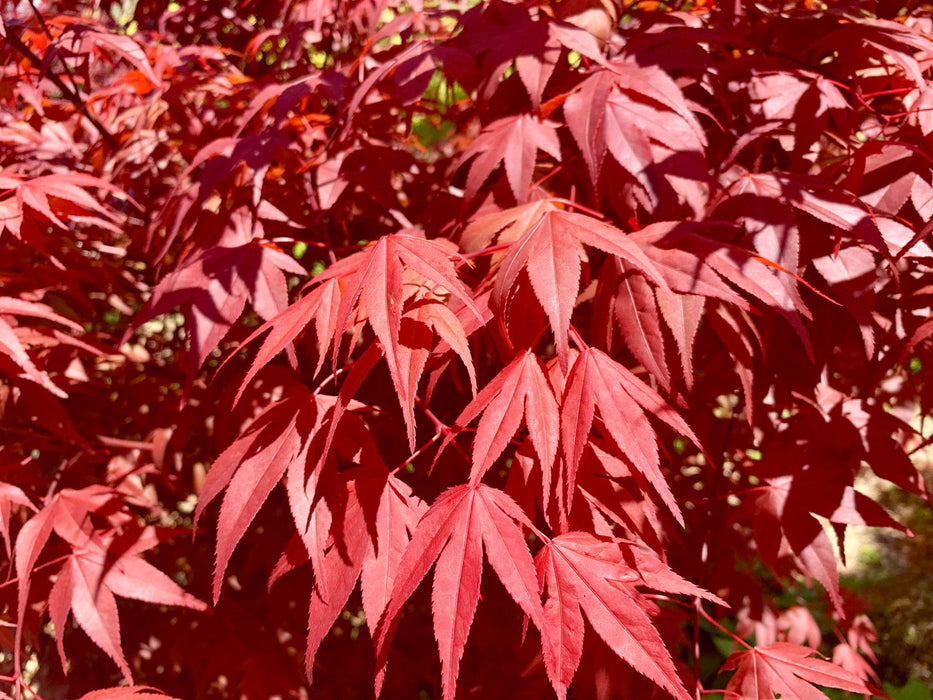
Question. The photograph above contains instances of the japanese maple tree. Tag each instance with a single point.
(439, 349)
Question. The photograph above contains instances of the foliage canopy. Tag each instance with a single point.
(551, 335)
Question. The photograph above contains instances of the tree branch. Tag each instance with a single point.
(70, 94)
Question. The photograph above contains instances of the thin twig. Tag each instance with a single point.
(71, 95)
(48, 33)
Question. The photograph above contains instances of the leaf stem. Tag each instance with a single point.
(47, 564)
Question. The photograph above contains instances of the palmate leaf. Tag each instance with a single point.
(66, 516)
(792, 104)
(587, 575)
(374, 285)
(514, 142)
(362, 500)
(453, 533)
(802, 533)
(636, 114)
(58, 198)
(87, 585)
(785, 510)
(693, 261)
(863, 40)
(101, 564)
(133, 692)
(505, 35)
(251, 467)
(12, 347)
(290, 438)
(596, 380)
(214, 286)
(512, 36)
(520, 393)
(551, 251)
(811, 196)
(90, 38)
(786, 670)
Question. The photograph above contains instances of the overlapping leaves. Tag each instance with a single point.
(642, 286)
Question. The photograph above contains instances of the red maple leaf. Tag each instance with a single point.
(587, 575)
(788, 670)
(520, 393)
(90, 579)
(374, 287)
(548, 244)
(636, 114)
(213, 289)
(596, 380)
(454, 532)
(12, 347)
(101, 564)
(512, 141)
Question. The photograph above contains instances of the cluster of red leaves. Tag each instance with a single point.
(624, 295)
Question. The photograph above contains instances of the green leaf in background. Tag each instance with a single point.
(914, 689)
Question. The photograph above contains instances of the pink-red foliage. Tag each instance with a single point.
(620, 298)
